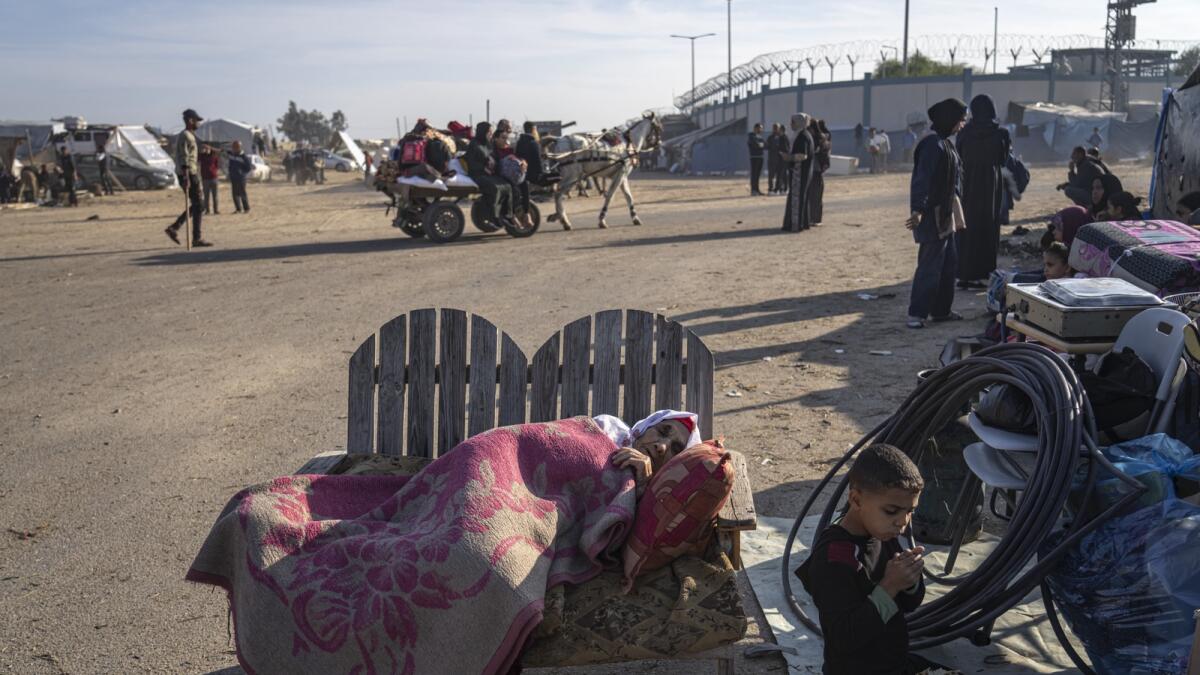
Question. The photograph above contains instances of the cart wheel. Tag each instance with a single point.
(413, 229)
(517, 230)
(479, 220)
(444, 222)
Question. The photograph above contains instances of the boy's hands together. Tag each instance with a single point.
(903, 571)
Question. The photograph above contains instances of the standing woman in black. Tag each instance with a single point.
(983, 146)
(823, 149)
(795, 217)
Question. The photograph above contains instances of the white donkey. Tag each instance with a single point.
(581, 157)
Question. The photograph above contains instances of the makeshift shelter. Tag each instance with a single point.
(1177, 148)
(39, 136)
(343, 144)
(225, 132)
(1046, 132)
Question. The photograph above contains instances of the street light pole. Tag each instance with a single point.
(729, 48)
(693, 39)
(906, 38)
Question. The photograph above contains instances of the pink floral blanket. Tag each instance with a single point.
(443, 572)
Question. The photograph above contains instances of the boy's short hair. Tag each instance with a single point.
(882, 467)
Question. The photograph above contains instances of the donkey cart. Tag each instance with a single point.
(438, 214)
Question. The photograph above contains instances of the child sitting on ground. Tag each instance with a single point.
(1054, 261)
(860, 576)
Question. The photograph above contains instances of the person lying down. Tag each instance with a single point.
(646, 446)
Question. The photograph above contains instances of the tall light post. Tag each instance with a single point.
(729, 47)
(693, 39)
(906, 38)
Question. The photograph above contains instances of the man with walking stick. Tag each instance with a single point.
(187, 162)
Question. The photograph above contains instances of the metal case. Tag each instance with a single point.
(1030, 305)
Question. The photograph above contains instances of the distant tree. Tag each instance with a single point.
(337, 121)
(1189, 59)
(299, 124)
(919, 65)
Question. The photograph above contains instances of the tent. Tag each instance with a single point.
(342, 143)
(40, 134)
(1177, 148)
(225, 132)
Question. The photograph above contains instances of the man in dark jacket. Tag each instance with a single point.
(239, 169)
(774, 147)
(67, 163)
(1082, 172)
(528, 150)
(756, 145)
(102, 164)
(481, 167)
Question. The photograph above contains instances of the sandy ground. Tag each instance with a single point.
(141, 386)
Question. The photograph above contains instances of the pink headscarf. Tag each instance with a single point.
(1069, 220)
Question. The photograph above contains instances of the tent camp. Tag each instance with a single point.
(1047, 132)
(342, 144)
(1177, 148)
(225, 132)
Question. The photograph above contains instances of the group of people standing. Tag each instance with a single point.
(795, 167)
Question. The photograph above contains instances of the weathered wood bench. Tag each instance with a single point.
(431, 378)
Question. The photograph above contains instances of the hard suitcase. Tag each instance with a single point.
(1030, 304)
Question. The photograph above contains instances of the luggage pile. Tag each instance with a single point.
(1160, 256)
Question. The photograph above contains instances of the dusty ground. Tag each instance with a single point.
(140, 386)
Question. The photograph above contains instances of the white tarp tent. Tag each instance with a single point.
(135, 142)
(342, 142)
(226, 131)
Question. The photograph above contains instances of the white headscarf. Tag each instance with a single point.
(802, 118)
(624, 436)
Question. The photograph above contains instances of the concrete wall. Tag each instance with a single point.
(834, 104)
(891, 101)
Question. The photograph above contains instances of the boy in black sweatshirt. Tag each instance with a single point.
(859, 575)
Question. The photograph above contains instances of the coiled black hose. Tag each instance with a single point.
(1066, 431)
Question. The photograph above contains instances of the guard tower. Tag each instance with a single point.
(1119, 32)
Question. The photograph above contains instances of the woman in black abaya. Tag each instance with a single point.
(983, 146)
(801, 158)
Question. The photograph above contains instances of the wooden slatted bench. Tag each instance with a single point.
(431, 378)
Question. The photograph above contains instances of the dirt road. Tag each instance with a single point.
(141, 386)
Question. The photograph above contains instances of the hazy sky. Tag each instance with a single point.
(587, 60)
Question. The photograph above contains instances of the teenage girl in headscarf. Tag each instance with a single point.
(936, 214)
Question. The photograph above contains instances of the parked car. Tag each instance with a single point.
(338, 163)
(130, 174)
(262, 170)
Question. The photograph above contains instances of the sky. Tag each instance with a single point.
(597, 62)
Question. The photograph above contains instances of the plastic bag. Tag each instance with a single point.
(1128, 589)
(1006, 407)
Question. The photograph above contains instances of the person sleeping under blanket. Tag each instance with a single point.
(647, 445)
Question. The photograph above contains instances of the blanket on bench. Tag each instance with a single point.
(443, 572)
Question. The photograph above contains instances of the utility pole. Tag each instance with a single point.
(995, 37)
(693, 38)
(729, 47)
(488, 111)
(905, 39)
